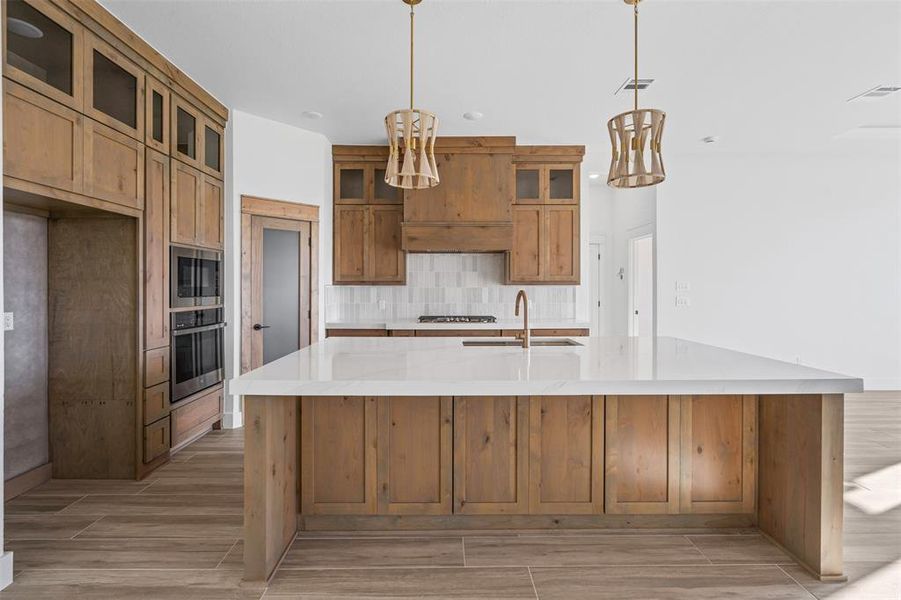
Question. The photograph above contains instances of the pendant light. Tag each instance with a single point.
(635, 135)
(411, 139)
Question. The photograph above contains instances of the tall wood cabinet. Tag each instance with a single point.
(368, 215)
(546, 234)
(96, 122)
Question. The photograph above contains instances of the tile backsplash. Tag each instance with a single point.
(447, 284)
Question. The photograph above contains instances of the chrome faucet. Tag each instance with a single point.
(526, 334)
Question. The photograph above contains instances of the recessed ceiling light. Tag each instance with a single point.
(311, 114)
(594, 176)
(710, 139)
(23, 28)
(473, 115)
(876, 93)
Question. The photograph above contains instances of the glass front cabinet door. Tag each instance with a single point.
(113, 89)
(185, 131)
(156, 113)
(212, 140)
(43, 49)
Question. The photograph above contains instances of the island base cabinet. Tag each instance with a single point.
(414, 455)
(719, 454)
(566, 455)
(491, 446)
(338, 455)
(642, 454)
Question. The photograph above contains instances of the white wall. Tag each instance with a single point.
(270, 160)
(792, 257)
(617, 216)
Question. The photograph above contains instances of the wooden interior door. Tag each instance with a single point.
(280, 294)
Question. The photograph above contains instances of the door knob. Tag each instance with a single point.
(257, 326)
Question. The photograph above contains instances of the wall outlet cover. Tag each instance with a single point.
(8, 321)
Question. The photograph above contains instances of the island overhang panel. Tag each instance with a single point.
(618, 432)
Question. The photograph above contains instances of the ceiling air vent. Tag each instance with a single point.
(630, 85)
(880, 91)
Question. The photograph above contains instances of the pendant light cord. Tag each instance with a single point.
(635, 6)
(411, 57)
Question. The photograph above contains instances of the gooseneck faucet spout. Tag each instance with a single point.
(526, 334)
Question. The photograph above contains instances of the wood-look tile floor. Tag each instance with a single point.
(177, 535)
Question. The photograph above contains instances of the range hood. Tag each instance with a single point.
(471, 209)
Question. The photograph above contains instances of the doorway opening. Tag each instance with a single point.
(598, 307)
(279, 279)
(641, 286)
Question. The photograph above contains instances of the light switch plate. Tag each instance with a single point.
(683, 286)
(7, 321)
(683, 301)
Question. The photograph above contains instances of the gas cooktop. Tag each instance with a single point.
(457, 319)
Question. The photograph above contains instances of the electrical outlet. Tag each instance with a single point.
(382, 304)
(7, 321)
(683, 286)
(683, 301)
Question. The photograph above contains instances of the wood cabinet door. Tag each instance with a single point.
(113, 88)
(491, 454)
(156, 115)
(185, 124)
(561, 251)
(642, 455)
(113, 165)
(530, 184)
(566, 455)
(338, 455)
(185, 204)
(211, 226)
(42, 140)
(51, 64)
(156, 250)
(353, 183)
(156, 439)
(562, 184)
(719, 454)
(414, 455)
(212, 148)
(382, 193)
(387, 262)
(525, 260)
(351, 240)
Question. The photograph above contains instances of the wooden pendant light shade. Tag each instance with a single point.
(411, 149)
(637, 159)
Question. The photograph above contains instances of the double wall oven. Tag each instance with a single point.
(198, 327)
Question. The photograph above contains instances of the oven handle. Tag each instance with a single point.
(199, 329)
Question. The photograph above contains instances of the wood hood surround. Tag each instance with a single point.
(471, 209)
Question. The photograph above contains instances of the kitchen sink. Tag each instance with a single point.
(513, 343)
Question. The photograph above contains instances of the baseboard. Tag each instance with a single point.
(18, 485)
(6, 569)
(232, 420)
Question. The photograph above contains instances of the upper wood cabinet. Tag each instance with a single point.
(156, 115)
(556, 183)
(43, 49)
(185, 123)
(43, 140)
(367, 244)
(364, 183)
(113, 166)
(213, 146)
(546, 247)
(113, 88)
(196, 208)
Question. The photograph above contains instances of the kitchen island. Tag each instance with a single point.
(438, 433)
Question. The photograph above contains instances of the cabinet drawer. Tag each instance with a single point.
(156, 439)
(189, 419)
(156, 402)
(156, 366)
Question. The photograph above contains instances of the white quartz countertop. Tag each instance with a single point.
(500, 324)
(601, 365)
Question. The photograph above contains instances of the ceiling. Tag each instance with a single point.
(762, 76)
